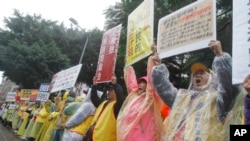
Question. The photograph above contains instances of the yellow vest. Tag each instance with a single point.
(105, 128)
(82, 128)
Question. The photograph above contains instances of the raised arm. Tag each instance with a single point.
(160, 80)
(120, 97)
(94, 97)
(130, 79)
(227, 92)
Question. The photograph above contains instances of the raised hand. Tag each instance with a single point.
(113, 79)
(215, 46)
(94, 80)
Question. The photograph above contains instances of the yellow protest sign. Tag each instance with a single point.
(140, 32)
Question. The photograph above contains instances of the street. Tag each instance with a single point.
(6, 134)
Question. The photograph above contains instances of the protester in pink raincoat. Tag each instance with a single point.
(140, 117)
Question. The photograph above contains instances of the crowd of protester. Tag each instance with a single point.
(152, 110)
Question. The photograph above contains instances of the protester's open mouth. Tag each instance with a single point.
(140, 88)
(197, 80)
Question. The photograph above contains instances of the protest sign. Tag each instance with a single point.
(188, 29)
(241, 40)
(140, 32)
(107, 55)
(66, 78)
(11, 97)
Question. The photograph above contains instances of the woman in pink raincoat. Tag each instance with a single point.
(140, 117)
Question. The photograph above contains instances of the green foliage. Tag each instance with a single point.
(29, 54)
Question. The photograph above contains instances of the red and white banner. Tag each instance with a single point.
(107, 56)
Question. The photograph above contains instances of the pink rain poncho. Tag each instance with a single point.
(139, 117)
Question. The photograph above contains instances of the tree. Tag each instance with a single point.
(29, 54)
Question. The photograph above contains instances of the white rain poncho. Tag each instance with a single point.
(198, 115)
(83, 112)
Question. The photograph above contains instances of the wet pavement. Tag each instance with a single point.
(7, 134)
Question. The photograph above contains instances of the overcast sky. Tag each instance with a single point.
(88, 13)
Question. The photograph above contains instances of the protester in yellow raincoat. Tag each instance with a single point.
(40, 121)
(52, 120)
(61, 118)
(35, 108)
(25, 119)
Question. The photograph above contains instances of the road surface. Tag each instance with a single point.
(6, 134)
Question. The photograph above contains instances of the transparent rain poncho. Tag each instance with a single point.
(139, 117)
(86, 109)
(82, 113)
(198, 114)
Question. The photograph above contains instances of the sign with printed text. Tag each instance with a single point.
(140, 32)
(188, 29)
(107, 56)
(66, 78)
(43, 94)
(11, 97)
(26, 93)
(241, 41)
(44, 87)
(12, 106)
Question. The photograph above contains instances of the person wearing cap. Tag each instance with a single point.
(199, 112)
(104, 121)
(140, 117)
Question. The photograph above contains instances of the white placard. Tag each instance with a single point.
(188, 29)
(241, 40)
(12, 106)
(11, 97)
(66, 78)
(42, 96)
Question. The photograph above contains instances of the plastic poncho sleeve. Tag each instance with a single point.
(226, 91)
(130, 79)
(120, 97)
(164, 88)
(150, 90)
(94, 96)
(81, 114)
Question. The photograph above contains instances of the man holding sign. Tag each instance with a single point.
(199, 112)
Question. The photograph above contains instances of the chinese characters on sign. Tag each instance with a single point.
(107, 55)
(187, 29)
(11, 96)
(66, 78)
(43, 93)
(140, 32)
